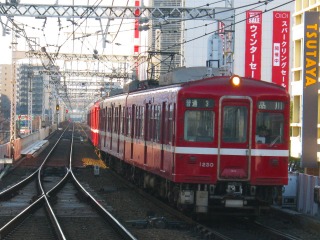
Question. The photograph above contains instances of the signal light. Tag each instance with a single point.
(57, 107)
(235, 80)
(67, 110)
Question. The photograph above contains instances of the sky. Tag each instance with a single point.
(51, 37)
(54, 36)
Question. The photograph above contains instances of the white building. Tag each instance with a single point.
(196, 51)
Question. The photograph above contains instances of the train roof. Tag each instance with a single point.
(222, 84)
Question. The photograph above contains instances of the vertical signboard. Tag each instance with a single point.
(136, 39)
(281, 48)
(253, 44)
(310, 90)
(221, 28)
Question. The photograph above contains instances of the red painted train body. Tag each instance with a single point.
(205, 144)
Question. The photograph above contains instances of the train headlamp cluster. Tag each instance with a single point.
(235, 80)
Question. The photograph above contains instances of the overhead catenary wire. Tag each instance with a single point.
(261, 3)
(79, 24)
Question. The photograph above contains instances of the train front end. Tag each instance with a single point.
(232, 144)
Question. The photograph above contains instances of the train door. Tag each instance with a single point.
(234, 144)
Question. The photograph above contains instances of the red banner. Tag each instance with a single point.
(253, 44)
(281, 48)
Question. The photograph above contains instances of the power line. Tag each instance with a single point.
(212, 32)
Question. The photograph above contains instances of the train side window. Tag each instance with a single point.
(198, 126)
(133, 113)
(149, 120)
(146, 122)
(109, 119)
(100, 117)
(142, 122)
(112, 119)
(153, 130)
(117, 119)
(139, 121)
(123, 119)
(105, 125)
(157, 123)
(128, 121)
(169, 124)
(105, 119)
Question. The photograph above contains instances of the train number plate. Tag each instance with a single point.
(234, 203)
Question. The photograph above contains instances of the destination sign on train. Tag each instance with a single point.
(270, 105)
(199, 103)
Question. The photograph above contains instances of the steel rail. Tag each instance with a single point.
(46, 195)
(99, 208)
(9, 226)
(277, 232)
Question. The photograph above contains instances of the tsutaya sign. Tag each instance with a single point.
(310, 90)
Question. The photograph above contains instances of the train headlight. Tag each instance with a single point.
(235, 80)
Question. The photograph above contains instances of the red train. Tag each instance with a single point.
(216, 143)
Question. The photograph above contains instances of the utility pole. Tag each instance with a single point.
(14, 92)
(229, 40)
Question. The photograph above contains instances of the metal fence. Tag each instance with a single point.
(306, 193)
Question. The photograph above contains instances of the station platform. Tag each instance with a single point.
(34, 149)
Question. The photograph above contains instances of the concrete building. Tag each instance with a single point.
(5, 90)
(187, 43)
(301, 6)
(28, 75)
(164, 51)
(32, 82)
(5, 101)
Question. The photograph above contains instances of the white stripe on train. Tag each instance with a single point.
(210, 151)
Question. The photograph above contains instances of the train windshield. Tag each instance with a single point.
(269, 128)
(198, 126)
(235, 121)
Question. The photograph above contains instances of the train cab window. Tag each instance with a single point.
(198, 126)
(269, 128)
(235, 121)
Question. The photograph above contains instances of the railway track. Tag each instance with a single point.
(142, 214)
(227, 229)
(60, 207)
(243, 228)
